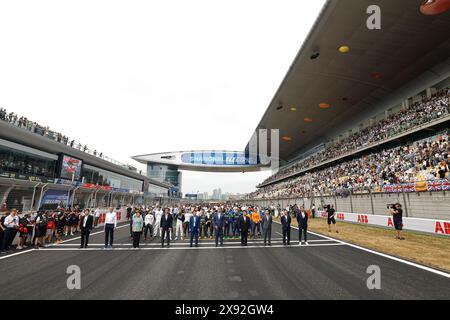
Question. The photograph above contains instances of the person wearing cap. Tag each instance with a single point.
(397, 216)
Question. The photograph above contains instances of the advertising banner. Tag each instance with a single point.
(435, 226)
(70, 167)
(58, 197)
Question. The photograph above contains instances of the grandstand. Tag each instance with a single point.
(363, 126)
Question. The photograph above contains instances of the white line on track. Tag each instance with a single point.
(413, 264)
(51, 245)
(190, 248)
(180, 243)
(76, 238)
(16, 254)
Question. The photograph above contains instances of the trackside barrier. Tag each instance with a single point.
(120, 214)
(434, 226)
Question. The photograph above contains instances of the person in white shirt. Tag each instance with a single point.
(149, 220)
(158, 214)
(110, 225)
(179, 225)
(96, 217)
(11, 224)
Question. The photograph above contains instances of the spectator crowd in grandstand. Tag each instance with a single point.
(416, 115)
(423, 160)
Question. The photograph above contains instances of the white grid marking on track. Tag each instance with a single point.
(189, 248)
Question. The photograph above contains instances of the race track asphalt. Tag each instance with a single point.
(324, 270)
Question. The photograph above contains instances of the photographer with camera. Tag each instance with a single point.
(397, 215)
(331, 217)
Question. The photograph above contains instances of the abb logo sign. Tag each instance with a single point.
(439, 227)
(443, 228)
(362, 218)
(101, 219)
(390, 222)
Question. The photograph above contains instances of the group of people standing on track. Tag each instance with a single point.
(196, 222)
(199, 222)
(43, 227)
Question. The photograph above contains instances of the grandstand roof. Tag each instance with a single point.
(409, 46)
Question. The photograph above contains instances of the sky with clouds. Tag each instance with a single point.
(135, 77)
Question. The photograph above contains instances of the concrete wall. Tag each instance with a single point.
(432, 205)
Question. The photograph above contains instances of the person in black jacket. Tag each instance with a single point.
(86, 223)
(302, 220)
(267, 227)
(166, 226)
(244, 225)
(286, 225)
(129, 210)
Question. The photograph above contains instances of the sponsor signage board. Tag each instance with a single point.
(435, 226)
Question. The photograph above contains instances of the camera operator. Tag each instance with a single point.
(331, 218)
(397, 215)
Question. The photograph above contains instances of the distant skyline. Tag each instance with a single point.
(129, 78)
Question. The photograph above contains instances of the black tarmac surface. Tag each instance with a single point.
(325, 269)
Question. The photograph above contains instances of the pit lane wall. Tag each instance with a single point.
(121, 215)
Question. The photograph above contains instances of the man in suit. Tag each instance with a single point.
(194, 225)
(166, 226)
(302, 219)
(219, 223)
(286, 225)
(86, 224)
(267, 227)
(244, 225)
